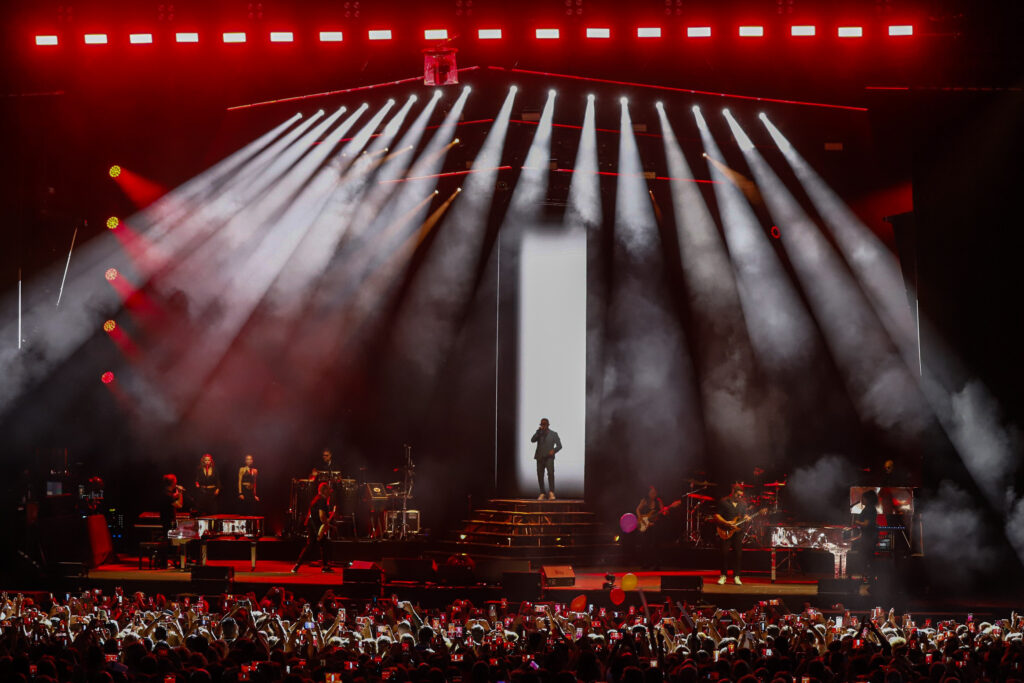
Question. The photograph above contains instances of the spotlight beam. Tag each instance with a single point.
(882, 390)
(734, 417)
(780, 328)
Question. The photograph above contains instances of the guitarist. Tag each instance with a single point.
(318, 522)
(732, 511)
(648, 511)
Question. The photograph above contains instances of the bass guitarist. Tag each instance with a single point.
(732, 513)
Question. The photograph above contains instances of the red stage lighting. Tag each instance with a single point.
(751, 31)
(282, 36)
(489, 34)
(775, 232)
(380, 34)
(901, 30)
(95, 38)
(599, 33)
(850, 31)
(109, 326)
(698, 31)
(107, 377)
(547, 33)
(114, 171)
(186, 37)
(802, 30)
(46, 40)
(436, 34)
(330, 36)
(234, 37)
(111, 274)
(113, 222)
(648, 32)
(140, 38)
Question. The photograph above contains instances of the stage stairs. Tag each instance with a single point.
(537, 530)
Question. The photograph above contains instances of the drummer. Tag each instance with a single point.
(326, 467)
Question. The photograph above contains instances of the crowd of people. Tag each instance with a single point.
(99, 638)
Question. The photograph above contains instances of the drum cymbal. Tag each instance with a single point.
(697, 496)
(775, 483)
(699, 482)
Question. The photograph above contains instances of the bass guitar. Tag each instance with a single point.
(648, 519)
(726, 532)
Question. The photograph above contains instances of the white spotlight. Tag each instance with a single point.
(725, 112)
(413, 98)
(659, 104)
(551, 93)
(762, 116)
(391, 100)
(514, 88)
(624, 100)
(590, 97)
(695, 108)
(467, 89)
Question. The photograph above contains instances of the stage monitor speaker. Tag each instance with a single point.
(213, 573)
(558, 575)
(74, 538)
(519, 586)
(414, 569)
(360, 571)
(682, 584)
(456, 575)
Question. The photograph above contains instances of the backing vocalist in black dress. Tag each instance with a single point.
(207, 486)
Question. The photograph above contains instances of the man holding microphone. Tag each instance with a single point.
(548, 444)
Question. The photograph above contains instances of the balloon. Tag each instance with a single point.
(578, 604)
(617, 595)
(627, 523)
(629, 582)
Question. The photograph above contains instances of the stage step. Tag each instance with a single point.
(533, 529)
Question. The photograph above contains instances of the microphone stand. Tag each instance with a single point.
(407, 477)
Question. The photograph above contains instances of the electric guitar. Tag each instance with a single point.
(648, 519)
(726, 532)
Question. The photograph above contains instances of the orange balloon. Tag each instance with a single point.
(617, 595)
(578, 604)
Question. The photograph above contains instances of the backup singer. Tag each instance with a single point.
(318, 521)
(207, 486)
(247, 474)
(548, 444)
(731, 511)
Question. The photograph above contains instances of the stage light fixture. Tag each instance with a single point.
(659, 105)
(114, 171)
(695, 108)
(282, 36)
(551, 92)
(380, 34)
(107, 377)
(330, 36)
(901, 30)
(95, 38)
(489, 34)
(113, 222)
(109, 326)
(599, 33)
(140, 38)
(234, 37)
(547, 33)
(436, 34)
(590, 97)
(850, 31)
(751, 31)
(623, 100)
(698, 32)
(648, 32)
(762, 116)
(514, 88)
(111, 274)
(186, 37)
(46, 40)
(802, 30)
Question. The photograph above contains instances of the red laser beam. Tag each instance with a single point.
(361, 88)
(690, 91)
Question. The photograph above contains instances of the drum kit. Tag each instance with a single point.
(701, 509)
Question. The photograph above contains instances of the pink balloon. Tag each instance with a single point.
(617, 595)
(627, 523)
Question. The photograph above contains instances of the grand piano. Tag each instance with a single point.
(215, 527)
(835, 539)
